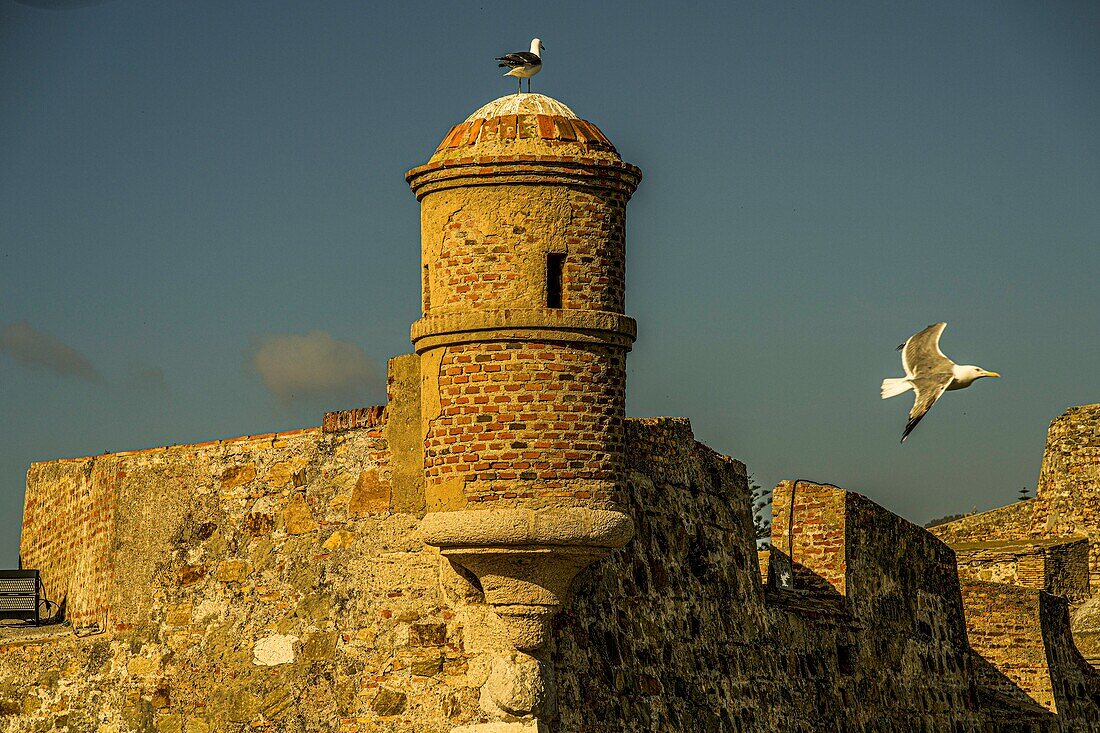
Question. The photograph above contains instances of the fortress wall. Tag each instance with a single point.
(273, 584)
(266, 583)
(901, 594)
(1069, 480)
(662, 635)
(808, 526)
(1071, 461)
(1059, 567)
(1067, 500)
(1019, 564)
(675, 632)
(1020, 521)
(1025, 635)
(1074, 682)
(1067, 569)
(1003, 627)
(903, 588)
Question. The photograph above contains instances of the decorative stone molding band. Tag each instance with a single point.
(523, 170)
(527, 527)
(533, 325)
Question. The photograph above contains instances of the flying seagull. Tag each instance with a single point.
(524, 64)
(929, 374)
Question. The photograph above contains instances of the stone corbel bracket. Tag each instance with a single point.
(526, 559)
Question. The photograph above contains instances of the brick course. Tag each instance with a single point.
(529, 421)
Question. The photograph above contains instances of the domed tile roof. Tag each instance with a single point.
(523, 104)
(523, 125)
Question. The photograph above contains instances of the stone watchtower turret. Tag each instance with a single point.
(523, 341)
(522, 347)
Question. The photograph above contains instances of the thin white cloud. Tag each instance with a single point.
(314, 365)
(42, 352)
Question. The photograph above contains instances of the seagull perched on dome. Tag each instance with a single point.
(524, 64)
(929, 374)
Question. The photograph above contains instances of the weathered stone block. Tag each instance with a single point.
(286, 474)
(388, 702)
(236, 475)
(234, 570)
(339, 539)
(427, 634)
(297, 517)
(371, 495)
(274, 650)
(320, 645)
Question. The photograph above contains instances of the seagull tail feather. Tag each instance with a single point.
(894, 387)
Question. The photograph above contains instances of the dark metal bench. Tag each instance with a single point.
(21, 595)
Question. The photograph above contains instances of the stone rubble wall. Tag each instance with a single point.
(1059, 567)
(1069, 481)
(907, 656)
(1067, 497)
(274, 583)
(255, 584)
(676, 631)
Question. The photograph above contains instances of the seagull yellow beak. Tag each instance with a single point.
(991, 374)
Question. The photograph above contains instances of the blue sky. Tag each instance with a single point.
(202, 211)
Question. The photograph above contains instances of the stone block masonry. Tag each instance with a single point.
(1051, 542)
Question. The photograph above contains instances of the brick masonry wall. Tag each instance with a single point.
(1025, 636)
(494, 257)
(529, 422)
(808, 526)
(68, 512)
(1003, 627)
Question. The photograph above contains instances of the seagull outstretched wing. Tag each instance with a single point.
(928, 389)
(921, 353)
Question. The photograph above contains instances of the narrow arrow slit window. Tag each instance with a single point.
(555, 267)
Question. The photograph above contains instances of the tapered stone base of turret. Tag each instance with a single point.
(526, 559)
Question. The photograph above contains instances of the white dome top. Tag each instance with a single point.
(523, 104)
